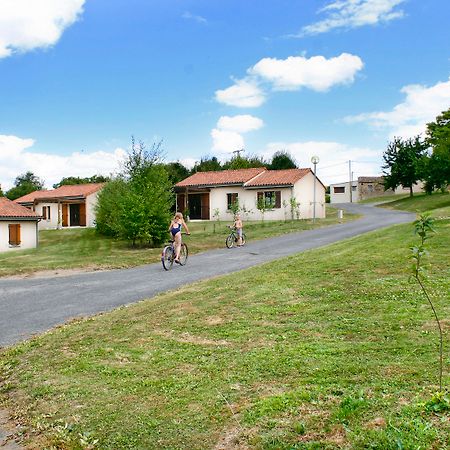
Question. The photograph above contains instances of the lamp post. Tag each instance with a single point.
(315, 161)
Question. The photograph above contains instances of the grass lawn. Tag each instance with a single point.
(329, 349)
(85, 249)
(420, 202)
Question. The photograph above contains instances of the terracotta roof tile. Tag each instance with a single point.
(75, 190)
(221, 177)
(10, 209)
(286, 177)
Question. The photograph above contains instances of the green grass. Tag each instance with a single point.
(420, 202)
(383, 198)
(85, 249)
(332, 348)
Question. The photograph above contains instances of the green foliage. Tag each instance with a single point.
(136, 205)
(242, 162)
(176, 172)
(295, 208)
(438, 403)
(24, 184)
(282, 159)
(207, 164)
(79, 180)
(234, 207)
(403, 162)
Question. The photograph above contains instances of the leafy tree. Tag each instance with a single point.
(241, 162)
(282, 160)
(436, 167)
(24, 184)
(403, 163)
(1, 192)
(207, 164)
(79, 180)
(136, 205)
(176, 172)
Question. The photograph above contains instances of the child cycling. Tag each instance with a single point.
(175, 229)
(238, 227)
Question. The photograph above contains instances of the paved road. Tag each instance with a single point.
(34, 305)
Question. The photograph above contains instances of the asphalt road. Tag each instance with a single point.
(34, 305)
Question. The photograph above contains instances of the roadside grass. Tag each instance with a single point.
(384, 198)
(86, 249)
(420, 202)
(328, 349)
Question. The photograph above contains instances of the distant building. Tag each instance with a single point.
(364, 188)
(67, 206)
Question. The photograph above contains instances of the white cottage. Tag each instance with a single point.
(210, 195)
(18, 226)
(66, 206)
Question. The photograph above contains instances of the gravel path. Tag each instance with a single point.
(34, 305)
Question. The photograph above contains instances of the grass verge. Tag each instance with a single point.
(85, 249)
(332, 348)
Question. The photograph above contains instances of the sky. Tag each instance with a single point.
(337, 79)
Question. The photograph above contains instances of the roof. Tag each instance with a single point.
(11, 210)
(221, 177)
(370, 179)
(286, 177)
(73, 190)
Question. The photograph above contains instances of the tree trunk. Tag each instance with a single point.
(410, 191)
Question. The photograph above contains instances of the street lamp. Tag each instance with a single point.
(315, 161)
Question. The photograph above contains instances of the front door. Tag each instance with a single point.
(195, 206)
(75, 215)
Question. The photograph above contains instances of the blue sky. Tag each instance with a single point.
(333, 78)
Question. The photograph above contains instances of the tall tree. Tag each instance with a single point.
(136, 205)
(244, 162)
(176, 172)
(79, 180)
(282, 159)
(207, 164)
(437, 166)
(24, 184)
(403, 163)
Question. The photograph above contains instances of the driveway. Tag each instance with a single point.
(31, 306)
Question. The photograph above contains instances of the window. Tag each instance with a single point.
(370, 187)
(46, 212)
(339, 189)
(14, 234)
(272, 199)
(354, 188)
(232, 199)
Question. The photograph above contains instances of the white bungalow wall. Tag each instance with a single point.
(28, 235)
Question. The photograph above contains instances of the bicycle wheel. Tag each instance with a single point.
(167, 257)
(230, 241)
(183, 254)
(243, 239)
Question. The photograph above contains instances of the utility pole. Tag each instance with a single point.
(350, 176)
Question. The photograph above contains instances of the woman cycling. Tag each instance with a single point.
(175, 228)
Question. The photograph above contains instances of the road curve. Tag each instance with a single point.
(34, 305)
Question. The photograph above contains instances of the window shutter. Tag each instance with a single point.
(44, 212)
(18, 240)
(14, 234)
(277, 199)
(48, 212)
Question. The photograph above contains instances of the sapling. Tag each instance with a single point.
(423, 228)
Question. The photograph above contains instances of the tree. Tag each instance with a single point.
(1, 192)
(282, 160)
(436, 167)
(403, 162)
(176, 172)
(136, 205)
(24, 184)
(242, 162)
(207, 164)
(78, 180)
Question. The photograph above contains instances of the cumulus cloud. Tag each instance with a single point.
(18, 157)
(227, 135)
(354, 14)
(317, 73)
(422, 105)
(26, 25)
(333, 158)
(244, 93)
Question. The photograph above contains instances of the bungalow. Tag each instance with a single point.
(66, 206)
(18, 226)
(210, 195)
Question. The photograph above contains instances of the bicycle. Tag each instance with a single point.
(168, 254)
(232, 238)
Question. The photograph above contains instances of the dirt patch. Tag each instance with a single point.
(8, 431)
(54, 273)
(230, 441)
(187, 338)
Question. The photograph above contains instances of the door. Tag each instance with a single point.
(82, 214)
(75, 215)
(205, 206)
(65, 218)
(195, 206)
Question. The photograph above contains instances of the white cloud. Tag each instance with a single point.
(333, 158)
(188, 15)
(26, 25)
(354, 14)
(244, 93)
(240, 123)
(17, 157)
(409, 118)
(317, 72)
(227, 135)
